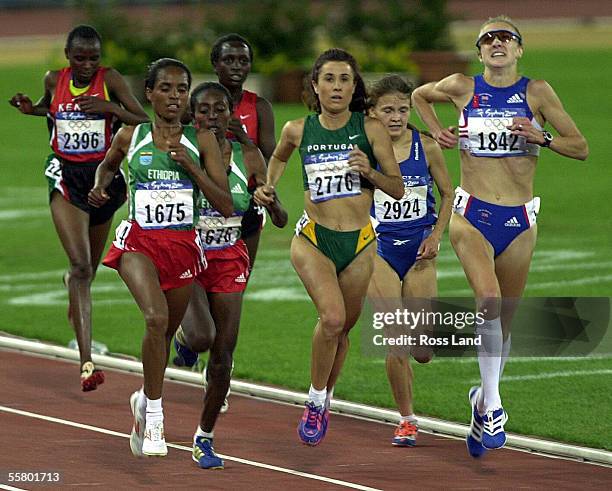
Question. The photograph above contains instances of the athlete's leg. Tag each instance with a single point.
(476, 256)
(72, 226)
(512, 268)
(421, 283)
(354, 281)
(318, 274)
(197, 327)
(140, 276)
(225, 309)
(98, 234)
(252, 243)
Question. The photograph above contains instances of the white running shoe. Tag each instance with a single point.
(154, 443)
(138, 427)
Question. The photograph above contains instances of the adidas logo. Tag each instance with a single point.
(237, 189)
(512, 222)
(187, 274)
(515, 99)
(241, 278)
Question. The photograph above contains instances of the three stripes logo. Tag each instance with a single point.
(237, 189)
(515, 99)
(512, 222)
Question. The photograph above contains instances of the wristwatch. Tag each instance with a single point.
(548, 138)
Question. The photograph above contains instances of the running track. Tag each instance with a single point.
(355, 453)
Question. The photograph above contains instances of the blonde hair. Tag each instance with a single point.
(503, 19)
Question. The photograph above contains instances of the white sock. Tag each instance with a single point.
(411, 418)
(317, 396)
(154, 410)
(504, 355)
(489, 361)
(201, 432)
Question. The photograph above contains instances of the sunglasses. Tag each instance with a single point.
(503, 35)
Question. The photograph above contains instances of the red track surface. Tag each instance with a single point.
(354, 450)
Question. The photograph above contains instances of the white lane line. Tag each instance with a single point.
(284, 470)
(11, 488)
(546, 375)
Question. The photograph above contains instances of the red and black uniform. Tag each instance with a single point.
(79, 142)
(246, 113)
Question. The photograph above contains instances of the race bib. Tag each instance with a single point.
(218, 232)
(121, 233)
(412, 206)
(489, 137)
(77, 134)
(329, 176)
(164, 204)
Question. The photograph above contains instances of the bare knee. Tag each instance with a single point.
(198, 341)
(156, 323)
(489, 302)
(332, 323)
(81, 270)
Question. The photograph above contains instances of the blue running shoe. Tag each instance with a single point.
(204, 454)
(474, 436)
(493, 434)
(313, 425)
(184, 356)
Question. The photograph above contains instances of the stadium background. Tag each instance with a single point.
(567, 43)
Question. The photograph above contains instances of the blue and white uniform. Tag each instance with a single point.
(401, 225)
(483, 132)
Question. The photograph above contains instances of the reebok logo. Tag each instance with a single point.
(187, 274)
(237, 189)
(515, 99)
(240, 278)
(512, 222)
(397, 242)
(352, 137)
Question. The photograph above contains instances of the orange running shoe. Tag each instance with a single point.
(405, 434)
(90, 377)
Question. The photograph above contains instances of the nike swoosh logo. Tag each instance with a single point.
(245, 116)
(352, 137)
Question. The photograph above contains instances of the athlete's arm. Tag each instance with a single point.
(210, 175)
(254, 161)
(390, 179)
(543, 99)
(41, 108)
(437, 168)
(265, 127)
(109, 166)
(128, 110)
(455, 89)
(290, 138)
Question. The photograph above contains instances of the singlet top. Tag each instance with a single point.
(483, 122)
(324, 154)
(77, 136)
(246, 112)
(417, 208)
(161, 193)
(216, 231)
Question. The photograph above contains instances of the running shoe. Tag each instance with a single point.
(493, 434)
(138, 427)
(184, 356)
(90, 377)
(313, 425)
(474, 436)
(154, 442)
(405, 434)
(204, 454)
